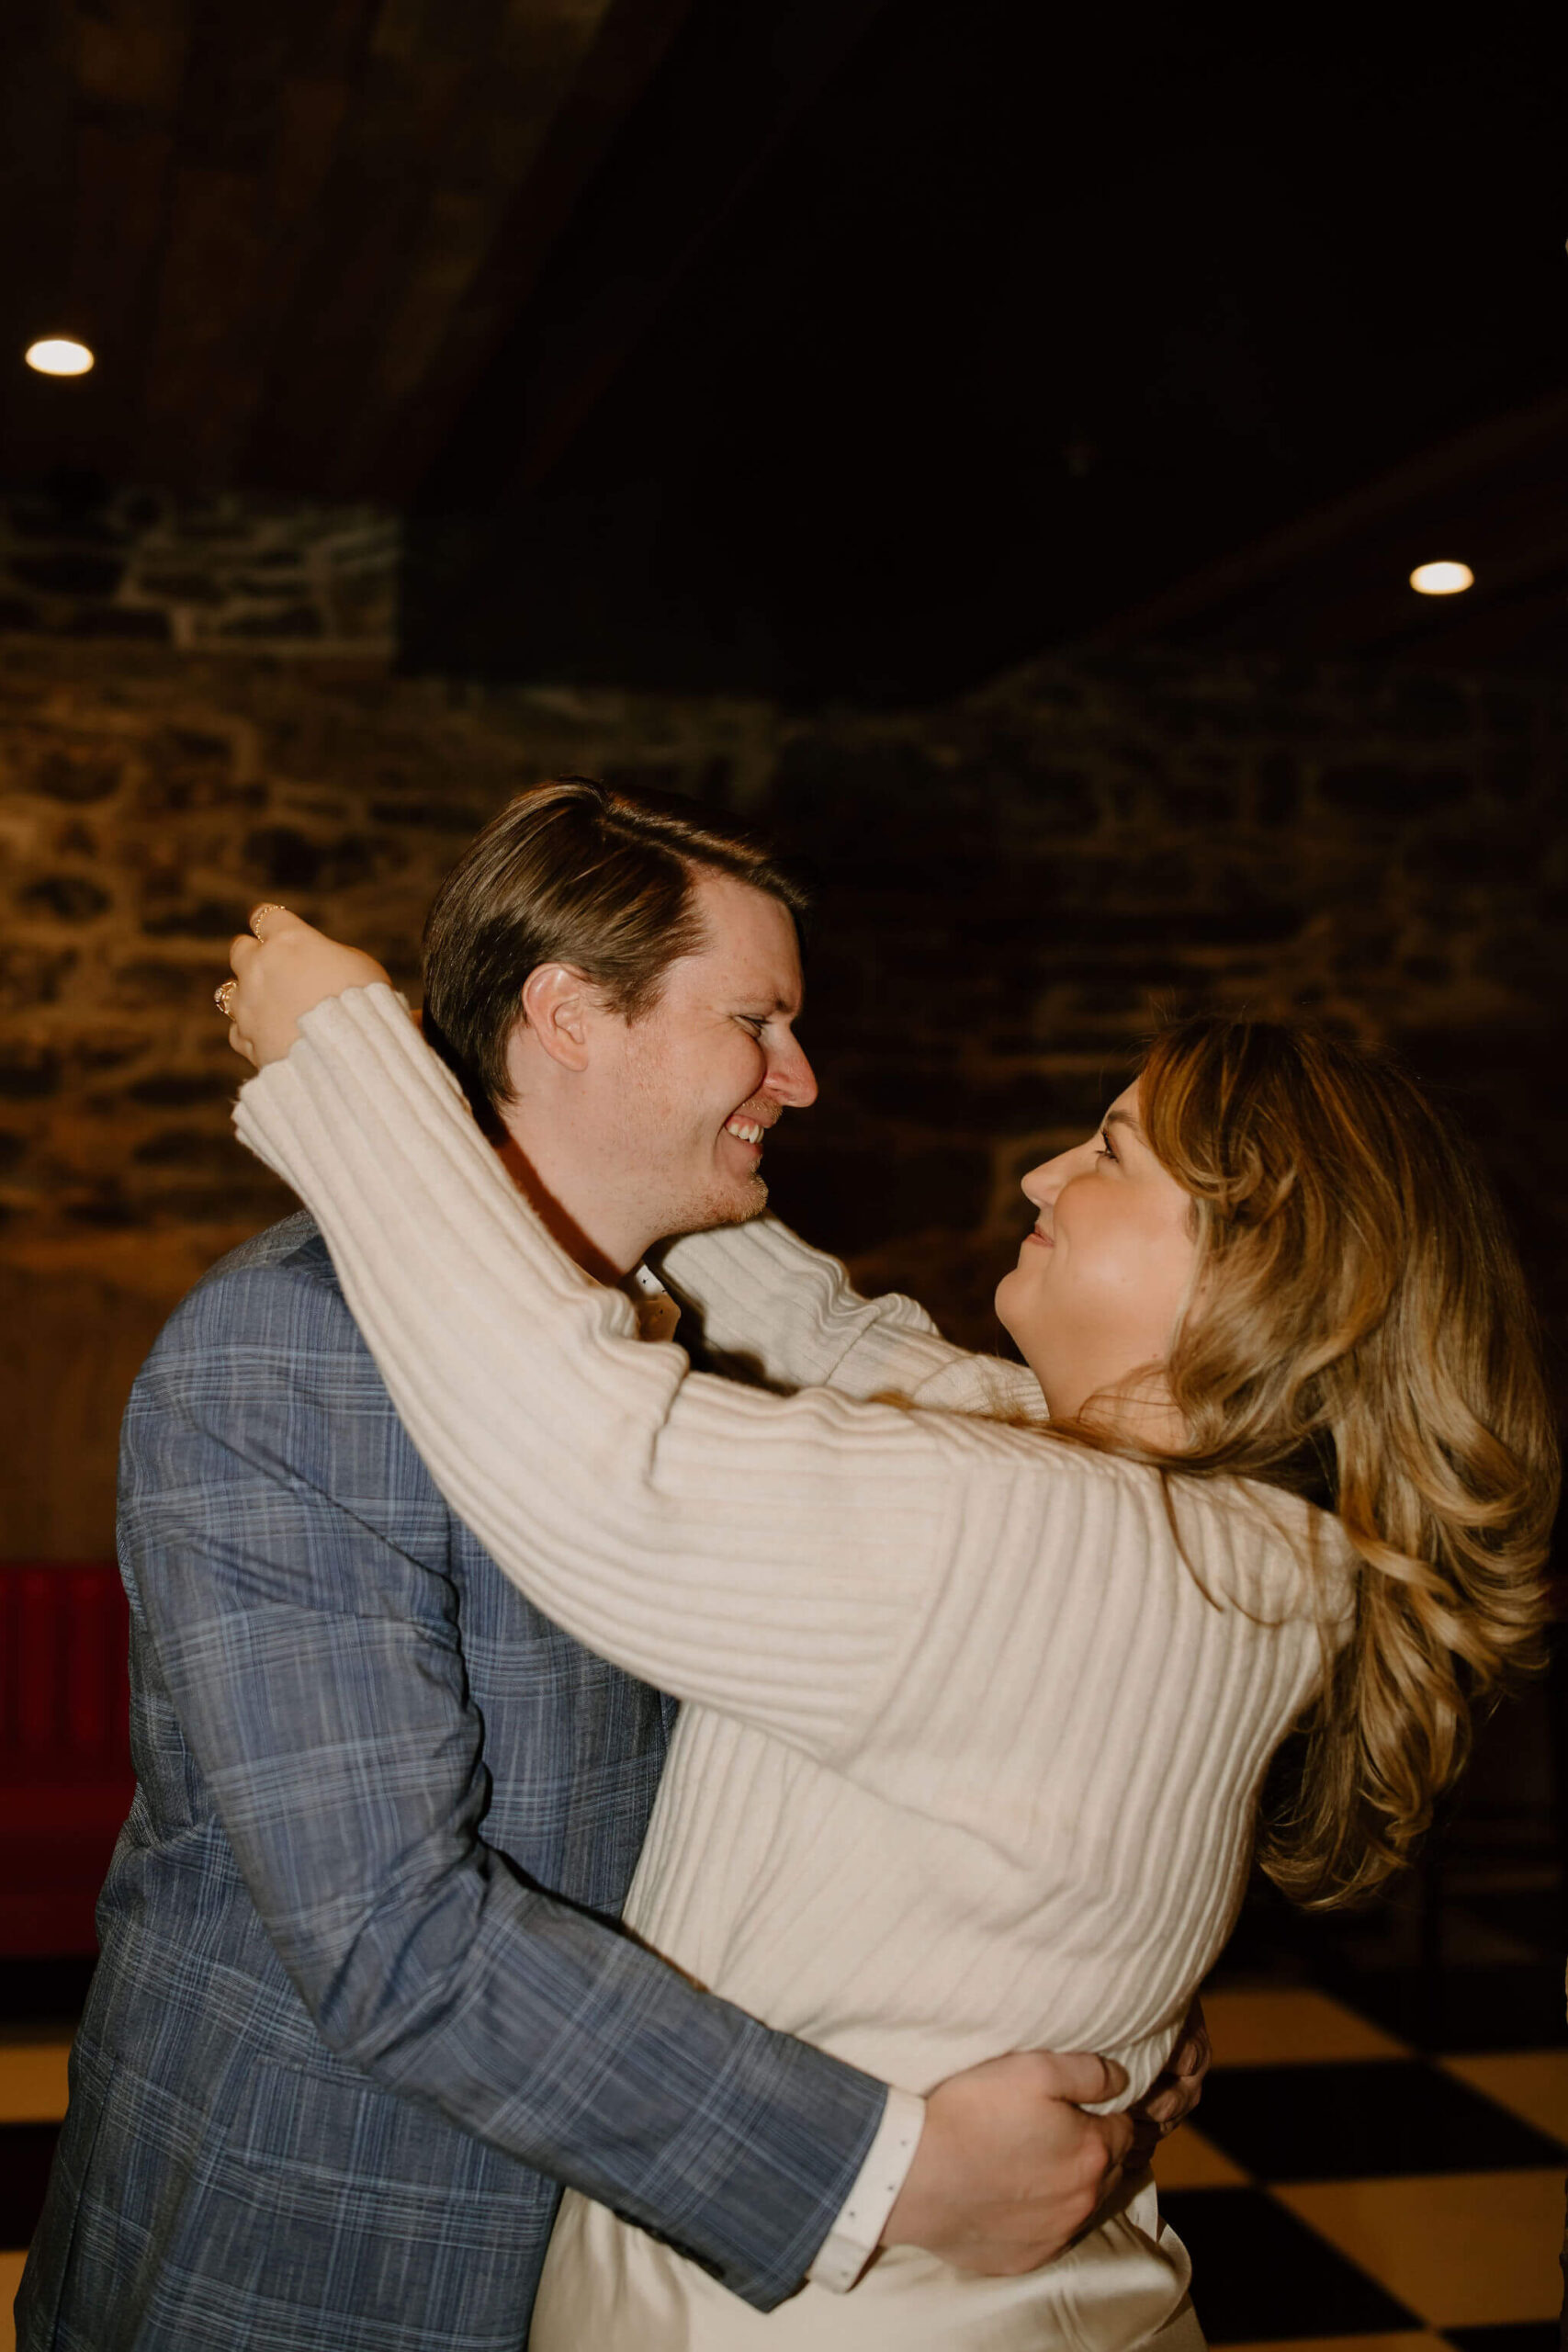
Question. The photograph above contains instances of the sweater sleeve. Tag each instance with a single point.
(771, 1304)
(771, 1557)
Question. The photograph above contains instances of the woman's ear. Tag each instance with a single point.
(559, 1004)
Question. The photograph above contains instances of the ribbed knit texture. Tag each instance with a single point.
(969, 1758)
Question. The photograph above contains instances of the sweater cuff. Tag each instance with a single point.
(855, 2235)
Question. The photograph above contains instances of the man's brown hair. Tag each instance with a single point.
(580, 873)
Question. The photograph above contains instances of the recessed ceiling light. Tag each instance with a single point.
(58, 354)
(1441, 579)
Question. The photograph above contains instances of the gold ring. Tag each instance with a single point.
(269, 907)
(223, 998)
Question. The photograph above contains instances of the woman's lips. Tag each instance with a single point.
(1043, 1240)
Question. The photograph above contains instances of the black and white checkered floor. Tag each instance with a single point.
(1381, 2171)
(1389, 2174)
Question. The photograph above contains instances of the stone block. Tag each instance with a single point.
(1427, 971)
(288, 859)
(146, 984)
(286, 623)
(1077, 1099)
(924, 1093)
(215, 919)
(1382, 788)
(1277, 790)
(71, 572)
(295, 801)
(1203, 806)
(180, 1090)
(101, 1049)
(251, 1193)
(68, 898)
(104, 1206)
(1515, 774)
(458, 818)
(193, 743)
(148, 622)
(1509, 713)
(855, 1200)
(1145, 935)
(1477, 857)
(176, 586)
(269, 585)
(1430, 710)
(194, 1151)
(33, 976)
(82, 773)
(170, 791)
(1529, 959)
(826, 789)
(28, 1073)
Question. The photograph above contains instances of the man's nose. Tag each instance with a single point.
(791, 1076)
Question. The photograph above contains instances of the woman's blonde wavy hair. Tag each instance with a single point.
(1361, 1334)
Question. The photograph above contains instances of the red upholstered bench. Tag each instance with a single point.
(66, 1776)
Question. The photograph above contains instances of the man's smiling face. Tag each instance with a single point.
(691, 1089)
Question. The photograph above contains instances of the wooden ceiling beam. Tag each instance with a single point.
(241, 222)
(431, 161)
(472, 276)
(701, 168)
(664, 194)
(330, 134)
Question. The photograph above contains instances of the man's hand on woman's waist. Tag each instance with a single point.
(1010, 2165)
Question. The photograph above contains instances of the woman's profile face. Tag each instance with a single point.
(1102, 1279)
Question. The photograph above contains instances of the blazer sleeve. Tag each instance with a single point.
(771, 1557)
(773, 1307)
(317, 1670)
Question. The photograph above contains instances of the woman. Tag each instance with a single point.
(978, 1712)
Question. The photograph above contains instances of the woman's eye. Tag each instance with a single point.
(1105, 1151)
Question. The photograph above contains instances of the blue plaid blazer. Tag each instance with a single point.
(362, 2004)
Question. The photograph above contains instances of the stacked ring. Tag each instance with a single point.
(223, 997)
(269, 907)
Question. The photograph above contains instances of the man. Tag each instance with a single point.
(362, 2005)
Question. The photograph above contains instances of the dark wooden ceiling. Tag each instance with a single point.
(1336, 582)
(292, 231)
(816, 346)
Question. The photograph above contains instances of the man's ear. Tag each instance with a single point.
(559, 1005)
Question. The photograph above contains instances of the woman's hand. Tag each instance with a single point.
(279, 975)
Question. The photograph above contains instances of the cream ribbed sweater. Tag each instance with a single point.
(969, 1761)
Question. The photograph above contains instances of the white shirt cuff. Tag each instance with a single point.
(853, 2240)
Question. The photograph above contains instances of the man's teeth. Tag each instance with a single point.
(746, 1129)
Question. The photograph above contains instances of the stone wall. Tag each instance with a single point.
(224, 573)
(1007, 885)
